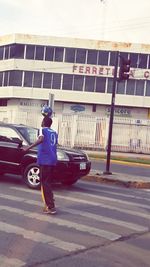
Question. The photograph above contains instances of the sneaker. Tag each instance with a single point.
(49, 210)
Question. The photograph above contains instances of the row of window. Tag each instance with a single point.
(72, 82)
(72, 55)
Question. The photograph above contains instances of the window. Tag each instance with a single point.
(39, 52)
(56, 81)
(6, 52)
(89, 83)
(15, 78)
(130, 89)
(110, 85)
(103, 58)
(134, 60)
(78, 83)
(81, 56)
(1, 78)
(143, 61)
(8, 133)
(59, 51)
(6, 76)
(37, 79)
(92, 57)
(147, 88)
(47, 80)
(139, 87)
(1, 52)
(100, 84)
(28, 79)
(70, 55)
(121, 87)
(3, 102)
(49, 56)
(17, 51)
(112, 58)
(67, 82)
(30, 51)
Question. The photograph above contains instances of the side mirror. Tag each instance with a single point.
(18, 141)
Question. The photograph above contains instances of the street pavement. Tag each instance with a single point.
(120, 179)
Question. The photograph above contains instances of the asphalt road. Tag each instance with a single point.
(96, 225)
(126, 168)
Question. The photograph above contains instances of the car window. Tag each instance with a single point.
(7, 134)
(30, 134)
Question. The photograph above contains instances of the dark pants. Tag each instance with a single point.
(46, 174)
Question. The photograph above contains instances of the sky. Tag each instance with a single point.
(109, 20)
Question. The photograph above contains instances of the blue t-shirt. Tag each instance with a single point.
(47, 150)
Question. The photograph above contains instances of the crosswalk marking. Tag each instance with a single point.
(39, 237)
(10, 262)
(77, 226)
(128, 225)
(92, 202)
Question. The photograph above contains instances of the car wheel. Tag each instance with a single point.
(69, 182)
(32, 176)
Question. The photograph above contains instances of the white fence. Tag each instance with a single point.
(90, 132)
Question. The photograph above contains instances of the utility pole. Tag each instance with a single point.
(107, 171)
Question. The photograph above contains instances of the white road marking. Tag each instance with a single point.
(10, 262)
(39, 237)
(61, 222)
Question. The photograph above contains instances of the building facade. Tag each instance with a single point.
(78, 72)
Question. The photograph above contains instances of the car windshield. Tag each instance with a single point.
(29, 133)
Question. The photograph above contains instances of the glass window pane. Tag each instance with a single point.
(143, 61)
(103, 58)
(30, 50)
(121, 87)
(6, 53)
(89, 84)
(1, 52)
(67, 82)
(110, 85)
(92, 57)
(130, 89)
(6, 76)
(49, 55)
(112, 58)
(100, 84)
(70, 55)
(28, 79)
(59, 52)
(139, 87)
(147, 88)
(56, 81)
(1, 78)
(78, 83)
(39, 52)
(81, 56)
(37, 79)
(15, 78)
(17, 51)
(47, 80)
(134, 60)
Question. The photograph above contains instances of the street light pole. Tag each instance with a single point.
(107, 171)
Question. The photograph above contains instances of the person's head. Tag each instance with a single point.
(46, 122)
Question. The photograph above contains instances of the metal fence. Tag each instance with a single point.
(91, 132)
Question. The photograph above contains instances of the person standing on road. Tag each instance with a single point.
(46, 159)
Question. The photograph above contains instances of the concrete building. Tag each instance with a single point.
(78, 72)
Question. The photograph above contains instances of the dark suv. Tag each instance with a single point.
(72, 164)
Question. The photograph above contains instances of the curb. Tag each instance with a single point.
(115, 181)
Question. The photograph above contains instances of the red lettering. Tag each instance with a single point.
(94, 70)
(87, 70)
(101, 70)
(132, 73)
(80, 69)
(107, 70)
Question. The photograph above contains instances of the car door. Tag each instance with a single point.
(10, 151)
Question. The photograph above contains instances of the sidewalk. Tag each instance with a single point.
(119, 178)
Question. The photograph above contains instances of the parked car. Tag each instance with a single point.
(72, 164)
